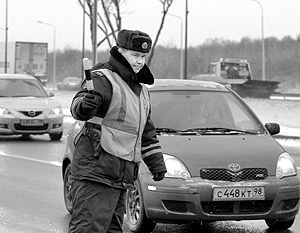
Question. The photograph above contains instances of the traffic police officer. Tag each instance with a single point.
(117, 135)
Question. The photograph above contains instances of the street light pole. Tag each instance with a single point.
(185, 41)
(181, 43)
(95, 12)
(83, 38)
(54, 52)
(262, 41)
(6, 29)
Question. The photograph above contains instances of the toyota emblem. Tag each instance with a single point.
(234, 167)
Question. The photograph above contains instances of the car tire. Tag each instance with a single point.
(278, 224)
(56, 136)
(135, 211)
(68, 189)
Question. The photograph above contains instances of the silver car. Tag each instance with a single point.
(26, 108)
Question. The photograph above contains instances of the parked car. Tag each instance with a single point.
(222, 161)
(26, 108)
(69, 83)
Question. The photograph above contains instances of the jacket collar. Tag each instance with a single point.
(124, 69)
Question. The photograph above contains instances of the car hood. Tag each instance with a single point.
(249, 151)
(28, 102)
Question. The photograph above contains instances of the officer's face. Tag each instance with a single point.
(136, 59)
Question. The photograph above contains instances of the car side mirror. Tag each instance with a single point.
(51, 94)
(273, 128)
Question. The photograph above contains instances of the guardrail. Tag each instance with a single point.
(285, 96)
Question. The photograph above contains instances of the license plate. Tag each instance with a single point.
(30, 122)
(238, 193)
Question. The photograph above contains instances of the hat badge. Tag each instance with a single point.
(145, 45)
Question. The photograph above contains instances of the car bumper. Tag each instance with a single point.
(11, 126)
(179, 201)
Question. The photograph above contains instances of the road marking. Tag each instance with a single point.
(55, 163)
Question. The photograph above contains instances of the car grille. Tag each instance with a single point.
(31, 113)
(227, 175)
(236, 207)
(31, 128)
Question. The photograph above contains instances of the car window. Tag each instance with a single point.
(21, 88)
(184, 110)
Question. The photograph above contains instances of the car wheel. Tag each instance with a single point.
(136, 217)
(68, 189)
(56, 136)
(277, 224)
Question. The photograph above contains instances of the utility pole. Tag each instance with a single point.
(185, 41)
(83, 38)
(6, 29)
(95, 33)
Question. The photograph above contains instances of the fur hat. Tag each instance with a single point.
(134, 40)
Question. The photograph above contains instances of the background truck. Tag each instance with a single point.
(25, 58)
(237, 73)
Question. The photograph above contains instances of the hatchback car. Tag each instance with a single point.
(26, 108)
(69, 83)
(222, 162)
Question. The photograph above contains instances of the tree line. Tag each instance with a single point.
(282, 59)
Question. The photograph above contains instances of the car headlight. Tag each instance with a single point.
(175, 168)
(56, 111)
(285, 166)
(4, 111)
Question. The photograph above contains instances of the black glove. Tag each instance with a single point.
(159, 176)
(89, 102)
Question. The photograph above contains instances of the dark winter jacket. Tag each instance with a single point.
(95, 164)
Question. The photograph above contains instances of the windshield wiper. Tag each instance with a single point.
(220, 129)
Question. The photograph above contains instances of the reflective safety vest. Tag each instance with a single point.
(123, 125)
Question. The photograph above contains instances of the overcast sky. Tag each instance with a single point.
(227, 19)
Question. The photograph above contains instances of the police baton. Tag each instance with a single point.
(87, 72)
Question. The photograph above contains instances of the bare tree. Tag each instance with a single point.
(166, 4)
(109, 20)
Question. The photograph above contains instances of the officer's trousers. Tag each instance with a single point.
(97, 208)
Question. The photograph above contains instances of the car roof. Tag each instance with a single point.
(16, 76)
(186, 84)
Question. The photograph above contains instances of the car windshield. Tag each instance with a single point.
(206, 111)
(235, 70)
(21, 88)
